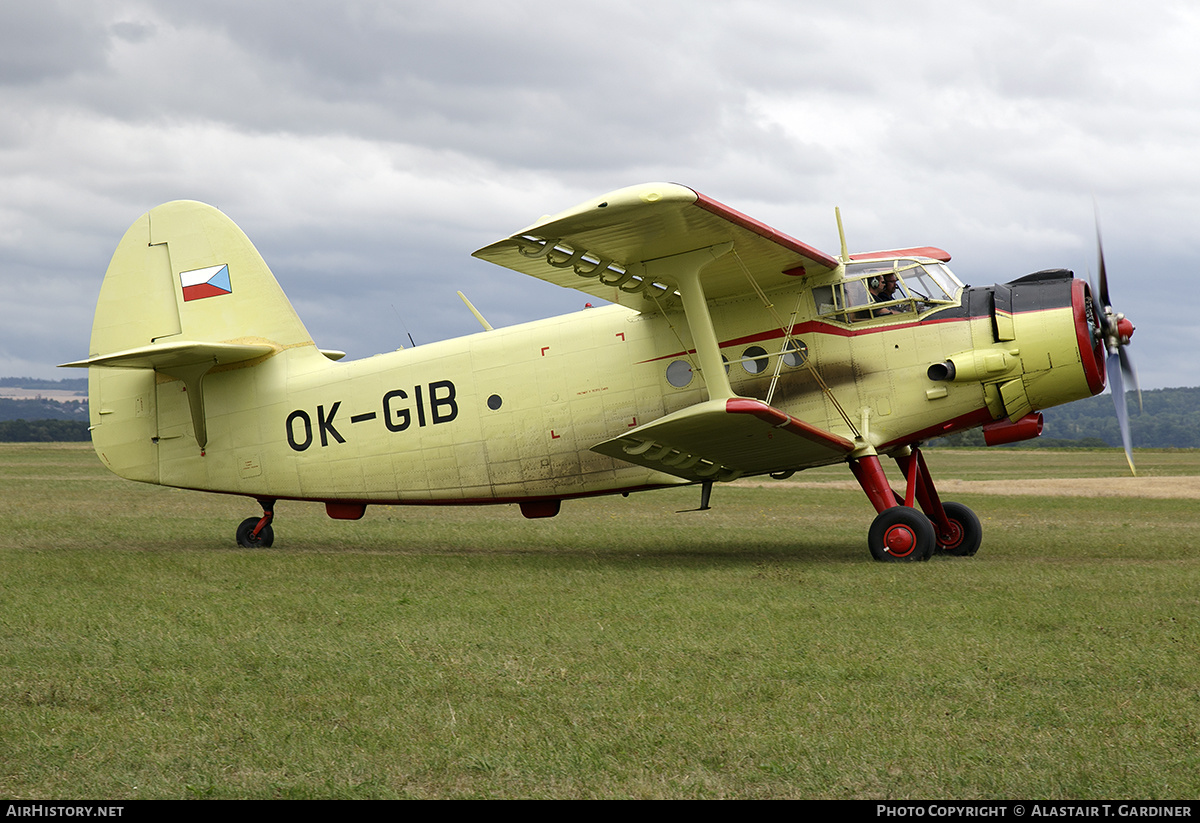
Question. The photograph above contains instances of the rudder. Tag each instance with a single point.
(185, 271)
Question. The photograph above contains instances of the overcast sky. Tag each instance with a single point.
(367, 148)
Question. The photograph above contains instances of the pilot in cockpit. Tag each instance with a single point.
(882, 288)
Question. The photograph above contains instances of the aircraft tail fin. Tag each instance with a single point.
(185, 292)
(185, 273)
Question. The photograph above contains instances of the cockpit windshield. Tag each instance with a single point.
(879, 288)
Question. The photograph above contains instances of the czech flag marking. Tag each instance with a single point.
(208, 282)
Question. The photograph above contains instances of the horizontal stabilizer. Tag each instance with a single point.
(725, 439)
(184, 360)
(601, 247)
(179, 354)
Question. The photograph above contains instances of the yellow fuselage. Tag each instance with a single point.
(512, 414)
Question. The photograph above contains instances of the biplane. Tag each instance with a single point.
(725, 349)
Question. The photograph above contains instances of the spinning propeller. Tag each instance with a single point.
(1114, 329)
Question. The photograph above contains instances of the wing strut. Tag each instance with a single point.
(787, 343)
(684, 270)
(786, 346)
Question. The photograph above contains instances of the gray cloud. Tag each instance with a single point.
(46, 41)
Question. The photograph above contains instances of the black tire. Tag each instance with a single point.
(967, 532)
(264, 539)
(901, 535)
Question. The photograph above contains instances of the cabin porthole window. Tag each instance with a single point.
(796, 353)
(679, 373)
(494, 402)
(754, 360)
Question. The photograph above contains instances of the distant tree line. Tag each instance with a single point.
(42, 420)
(42, 409)
(44, 431)
(1168, 419)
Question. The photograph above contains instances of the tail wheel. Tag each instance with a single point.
(901, 535)
(248, 539)
(965, 533)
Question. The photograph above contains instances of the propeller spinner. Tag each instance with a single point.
(1115, 330)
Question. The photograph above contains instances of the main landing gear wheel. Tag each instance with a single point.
(249, 540)
(966, 533)
(901, 535)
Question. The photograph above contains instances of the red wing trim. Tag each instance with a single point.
(763, 230)
(782, 420)
(932, 252)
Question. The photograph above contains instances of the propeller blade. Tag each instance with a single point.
(1103, 276)
(1115, 329)
(1131, 372)
(1103, 293)
(1117, 382)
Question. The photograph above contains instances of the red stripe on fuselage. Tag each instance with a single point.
(818, 327)
(811, 327)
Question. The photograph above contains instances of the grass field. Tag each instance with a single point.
(618, 650)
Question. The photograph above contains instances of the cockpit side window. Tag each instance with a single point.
(883, 288)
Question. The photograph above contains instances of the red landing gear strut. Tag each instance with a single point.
(899, 532)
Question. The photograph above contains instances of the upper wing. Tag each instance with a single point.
(600, 246)
(724, 439)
